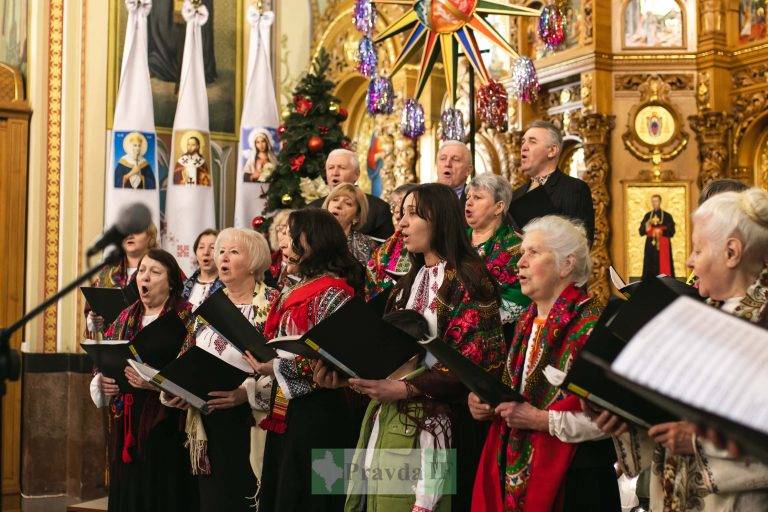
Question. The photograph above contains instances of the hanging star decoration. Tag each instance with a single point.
(441, 27)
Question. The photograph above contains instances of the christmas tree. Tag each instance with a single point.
(311, 129)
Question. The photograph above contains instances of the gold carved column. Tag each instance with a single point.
(514, 145)
(712, 134)
(595, 132)
(712, 124)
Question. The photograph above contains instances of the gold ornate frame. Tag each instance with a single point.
(675, 197)
(655, 93)
(113, 71)
(683, 14)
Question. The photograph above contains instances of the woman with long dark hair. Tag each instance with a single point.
(450, 286)
(149, 469)
(301, 416)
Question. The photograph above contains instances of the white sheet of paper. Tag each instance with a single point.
(705, 358)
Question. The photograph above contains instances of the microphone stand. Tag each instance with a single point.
(10, 361)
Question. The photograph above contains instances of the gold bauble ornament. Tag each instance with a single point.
(333, 107)
(286, 113)
(286, 199)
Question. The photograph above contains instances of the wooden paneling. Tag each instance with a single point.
(14, 141)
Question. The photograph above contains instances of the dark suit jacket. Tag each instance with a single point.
(379, 221)
(570, 196)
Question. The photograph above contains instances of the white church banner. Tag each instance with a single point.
(258, 125)
(189, 200)
(131, 174)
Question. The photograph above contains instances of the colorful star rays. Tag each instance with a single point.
(440, 27)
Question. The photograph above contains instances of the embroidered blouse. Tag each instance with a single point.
(293, 373)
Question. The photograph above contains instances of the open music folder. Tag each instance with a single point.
(108, 303)
(192, 376)
(587, 376)
(157, 344)
(647, 298)
(226, 319)
(705, 365)
(486, 386)
(356, 341)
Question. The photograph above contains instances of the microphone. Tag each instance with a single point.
(134, 218)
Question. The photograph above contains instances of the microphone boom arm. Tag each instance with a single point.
(8, 358)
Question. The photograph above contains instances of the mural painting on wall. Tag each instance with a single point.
(653, 24)
(166, 29)
(496, 59)
(13, 34)
(751, 20)
(573, 24)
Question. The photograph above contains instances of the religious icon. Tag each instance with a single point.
(658, 227)
(653, 24)
(260, 156)
(375, 162)
(752, 25)
(654, 125)
(133, 170)
(191, 166)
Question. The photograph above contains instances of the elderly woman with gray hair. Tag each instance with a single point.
(488, 198)
(225, 453)
(532, 452)
(730, 259)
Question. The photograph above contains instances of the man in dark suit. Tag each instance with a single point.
(571, 197)
(342, 166)
(454, 165)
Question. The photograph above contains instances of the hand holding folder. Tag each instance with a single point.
(193, 376)
(156, 344)
(704, 365)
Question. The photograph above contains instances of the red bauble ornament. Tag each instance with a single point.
(323, 129)
(257, 222)
(297, 162)
(492, 105)
(343, 114)
(303, 105)
(345, 143)
(281, 130)
(315, 144)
